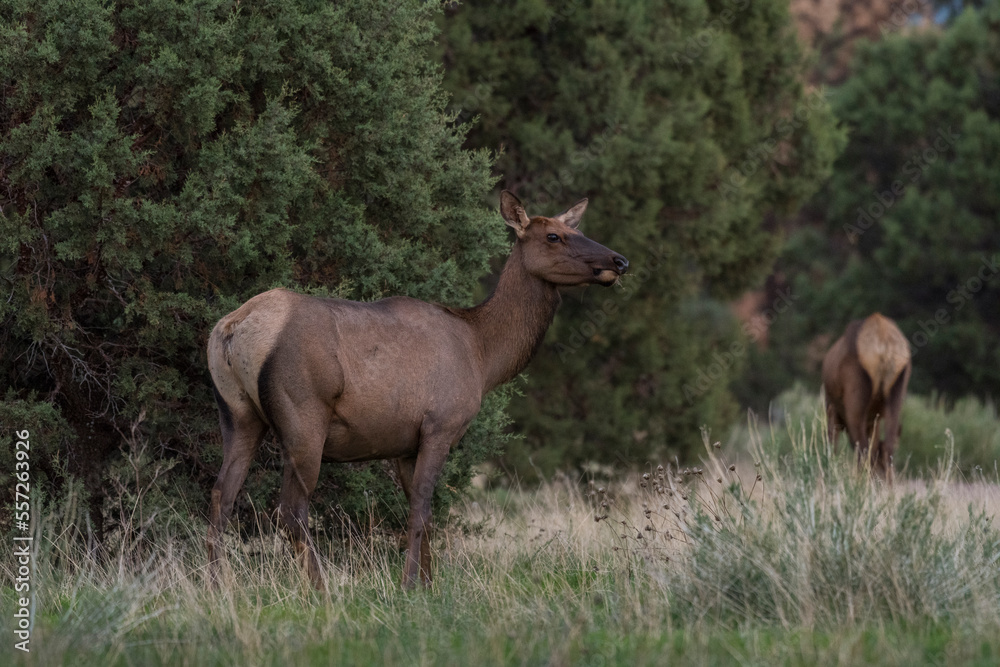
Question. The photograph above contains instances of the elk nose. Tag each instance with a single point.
(621, 263)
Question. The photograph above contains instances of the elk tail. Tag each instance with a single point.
(883, 352)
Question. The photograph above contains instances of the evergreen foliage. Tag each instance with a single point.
(162, 161)
(687, 125)
(909, 224)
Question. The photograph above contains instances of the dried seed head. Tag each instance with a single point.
(759, 478)
(648, 529)
(732, 468)
(719, 480)
(600, 490)
(645, 475)
(659, 468)
(643, 484)
(717, 445)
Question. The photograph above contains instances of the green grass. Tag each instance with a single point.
(814, 563)
(931, 425)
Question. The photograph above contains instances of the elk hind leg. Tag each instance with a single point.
(857, 396)
(893, 426)
(301, 473)
(834, 425)
(241, 436)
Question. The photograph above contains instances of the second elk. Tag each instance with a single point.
(865, 374)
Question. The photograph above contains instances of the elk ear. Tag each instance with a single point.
(571, 216)
(513, 213)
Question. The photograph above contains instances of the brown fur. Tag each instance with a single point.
(865, 374)
(397, 378)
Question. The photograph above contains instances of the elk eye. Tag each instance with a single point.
(553, 238)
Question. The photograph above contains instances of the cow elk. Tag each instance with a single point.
(865, 374)
(392, 379)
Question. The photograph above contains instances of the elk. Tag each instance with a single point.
(391, 379)
(865, 374)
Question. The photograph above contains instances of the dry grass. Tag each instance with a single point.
(800, 559)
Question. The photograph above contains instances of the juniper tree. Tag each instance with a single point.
(162, 161)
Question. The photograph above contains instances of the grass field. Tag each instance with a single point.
(793, 559)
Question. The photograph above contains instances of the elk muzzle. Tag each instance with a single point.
(609, 276)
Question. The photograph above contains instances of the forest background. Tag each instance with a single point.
(771, 172)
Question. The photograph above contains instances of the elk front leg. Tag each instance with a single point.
(433, 450)
(405, 468)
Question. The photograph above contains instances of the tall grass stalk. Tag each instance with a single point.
(750, 556)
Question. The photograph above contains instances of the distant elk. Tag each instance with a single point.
(392, 379)
(865, 374)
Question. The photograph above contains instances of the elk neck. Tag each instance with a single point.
(511, 323)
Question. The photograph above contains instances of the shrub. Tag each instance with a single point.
(933, 429)
(162, 161)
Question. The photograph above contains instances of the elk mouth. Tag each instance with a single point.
(606, 277)
(610, 276)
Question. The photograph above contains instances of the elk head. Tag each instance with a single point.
(556, 251)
